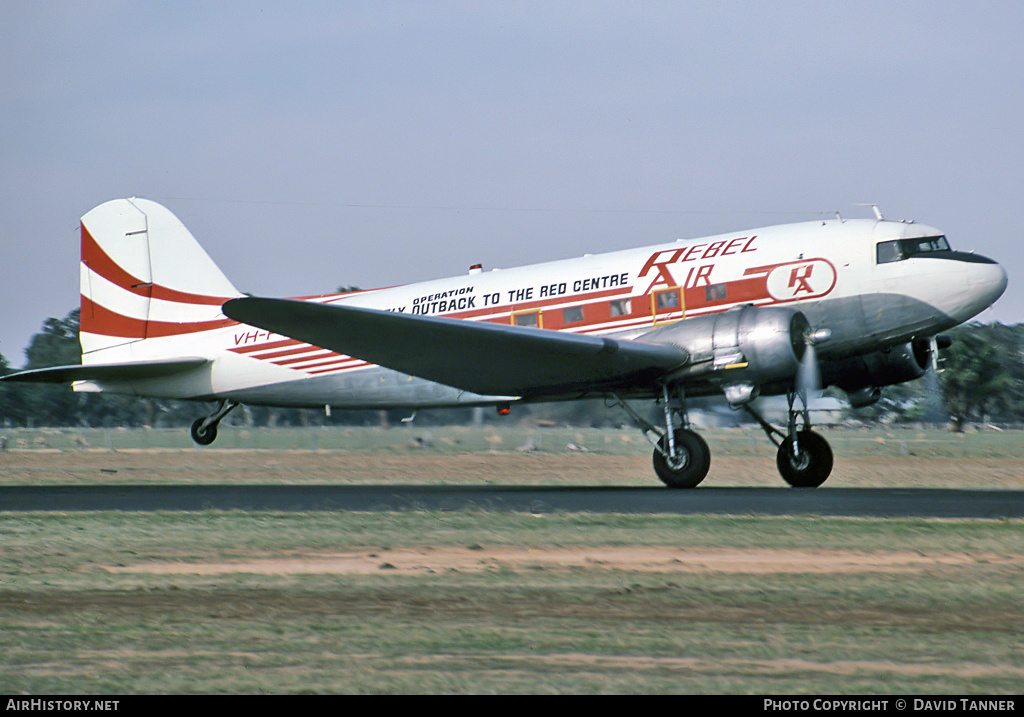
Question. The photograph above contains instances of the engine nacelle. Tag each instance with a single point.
(748, 345)
(867, 396)
(904, 362)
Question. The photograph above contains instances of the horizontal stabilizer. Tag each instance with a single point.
(485, 358)
(132, 371)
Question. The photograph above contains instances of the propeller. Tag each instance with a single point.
(808, 376)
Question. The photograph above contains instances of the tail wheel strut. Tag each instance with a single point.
(204, 430)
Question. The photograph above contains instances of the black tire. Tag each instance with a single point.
(204, 437)
(695, 460)
(811, 466)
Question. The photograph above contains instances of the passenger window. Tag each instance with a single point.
(572, 314)
(714, 292)
(668, 299)
(888, 252)
(527, 319)
(619, 307)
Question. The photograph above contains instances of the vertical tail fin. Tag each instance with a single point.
(144, 276)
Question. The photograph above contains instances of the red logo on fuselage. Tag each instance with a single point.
(660, 261)
(806, 279)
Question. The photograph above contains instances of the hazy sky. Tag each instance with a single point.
(313, 145)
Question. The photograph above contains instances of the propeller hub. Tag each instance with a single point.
(817, 336)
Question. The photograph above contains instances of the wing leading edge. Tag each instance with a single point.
(485, 358)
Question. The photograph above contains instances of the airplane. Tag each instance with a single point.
(855, 303)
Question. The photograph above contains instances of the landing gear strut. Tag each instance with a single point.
(804, 458)
(204, 430)
(681, 457)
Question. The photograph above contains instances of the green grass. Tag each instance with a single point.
(68, 624)
(747, 440)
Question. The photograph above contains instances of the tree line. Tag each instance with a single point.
(981, 379)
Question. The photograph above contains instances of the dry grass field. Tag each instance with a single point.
(482, 602)
(514, 455)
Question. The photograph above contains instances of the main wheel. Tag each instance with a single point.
(204, 437)
(812, 463)
(693, 459)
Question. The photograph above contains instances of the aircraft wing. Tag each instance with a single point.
(485, 358)
(106, 371)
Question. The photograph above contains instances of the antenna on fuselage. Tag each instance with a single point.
(874, 208)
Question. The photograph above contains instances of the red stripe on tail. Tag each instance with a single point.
(100, 262)
(97, 319)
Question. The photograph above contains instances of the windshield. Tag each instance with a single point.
(900, 249)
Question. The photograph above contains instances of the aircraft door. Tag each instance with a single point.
(887, 285)
(667, 305)
(881, 284)
(533, 318)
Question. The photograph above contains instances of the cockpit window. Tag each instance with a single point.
(923, 245)
(888, 251)
(900, 249)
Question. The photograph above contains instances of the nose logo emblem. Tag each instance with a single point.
(801, 280)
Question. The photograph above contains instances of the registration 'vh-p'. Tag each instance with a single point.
(858, 303)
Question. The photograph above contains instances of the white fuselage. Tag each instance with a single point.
(830, 270)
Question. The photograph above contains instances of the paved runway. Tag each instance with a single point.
(854, 502)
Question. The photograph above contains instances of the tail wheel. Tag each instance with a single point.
(810, 465)
(692, 462)
(204, 436)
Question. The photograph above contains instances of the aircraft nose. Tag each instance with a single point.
(988, 279)
(968, 284)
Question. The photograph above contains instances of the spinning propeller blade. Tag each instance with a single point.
(808, 377)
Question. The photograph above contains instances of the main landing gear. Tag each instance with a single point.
(204, 430)
(682, 458)
(804, 458)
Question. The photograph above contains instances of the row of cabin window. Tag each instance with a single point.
(619, 307)
(886, 252)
